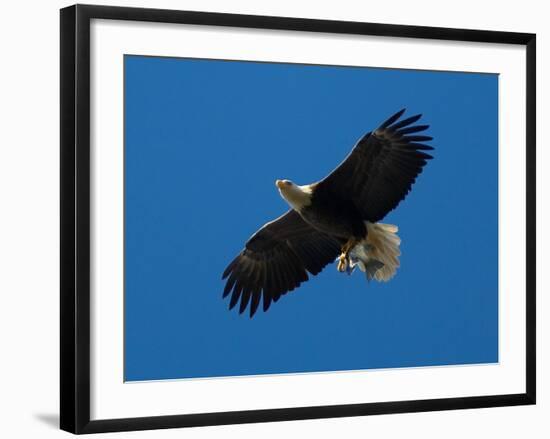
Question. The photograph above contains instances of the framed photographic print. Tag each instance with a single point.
(268, 218)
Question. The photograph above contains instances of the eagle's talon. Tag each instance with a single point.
(342, 263)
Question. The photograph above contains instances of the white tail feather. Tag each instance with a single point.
(382, 245)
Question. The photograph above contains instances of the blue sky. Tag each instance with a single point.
(205, 141)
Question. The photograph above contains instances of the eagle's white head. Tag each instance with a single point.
(296, 196)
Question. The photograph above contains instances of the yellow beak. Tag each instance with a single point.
(279, 183)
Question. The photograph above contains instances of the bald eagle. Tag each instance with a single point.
(335, 219)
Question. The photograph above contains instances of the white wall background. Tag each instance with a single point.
(29, 249)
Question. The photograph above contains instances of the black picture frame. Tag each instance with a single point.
(75, 217)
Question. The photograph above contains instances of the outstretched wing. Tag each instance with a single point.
(382, 167)
(275, 260)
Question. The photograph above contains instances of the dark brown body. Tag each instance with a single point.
(334, 216)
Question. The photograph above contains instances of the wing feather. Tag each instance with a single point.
(382, 167)
(276, 260)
